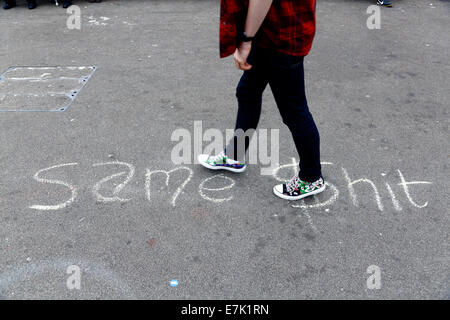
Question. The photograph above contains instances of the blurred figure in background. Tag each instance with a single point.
(65, 3)
(386, 3)
(12, 3)
(68, 3)
(33, 4)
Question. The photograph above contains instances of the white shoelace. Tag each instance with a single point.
(220, 156)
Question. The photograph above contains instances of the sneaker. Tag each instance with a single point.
(9, 5)
(297, 189)
(67, 3)
(32, 4)
(221, 162)
(386, 3)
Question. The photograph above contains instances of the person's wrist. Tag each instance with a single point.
(245, 46)
(246, 38)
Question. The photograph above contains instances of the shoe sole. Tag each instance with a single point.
(206, 165)
(282, 196)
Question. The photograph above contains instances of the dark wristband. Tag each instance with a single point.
(245, 38)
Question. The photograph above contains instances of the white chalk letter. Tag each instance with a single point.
(178, 191)
(395, 202)
(72, 189)
(97, 186)
(201, 188)
(352, 190)
(405, 185)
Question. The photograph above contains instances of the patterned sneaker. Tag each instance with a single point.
(297, 189)
(221, 162)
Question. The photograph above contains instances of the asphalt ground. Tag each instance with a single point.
(380, 100)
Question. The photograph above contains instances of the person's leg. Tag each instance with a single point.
(288, 87)
(249, 96)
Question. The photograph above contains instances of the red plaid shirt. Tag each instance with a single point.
(289, 26)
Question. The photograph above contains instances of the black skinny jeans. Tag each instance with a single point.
(285, 75)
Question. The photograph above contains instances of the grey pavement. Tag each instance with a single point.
(380, 100)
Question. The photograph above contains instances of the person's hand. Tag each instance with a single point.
(241, 55)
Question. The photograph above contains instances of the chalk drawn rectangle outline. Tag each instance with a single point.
(71, 95)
